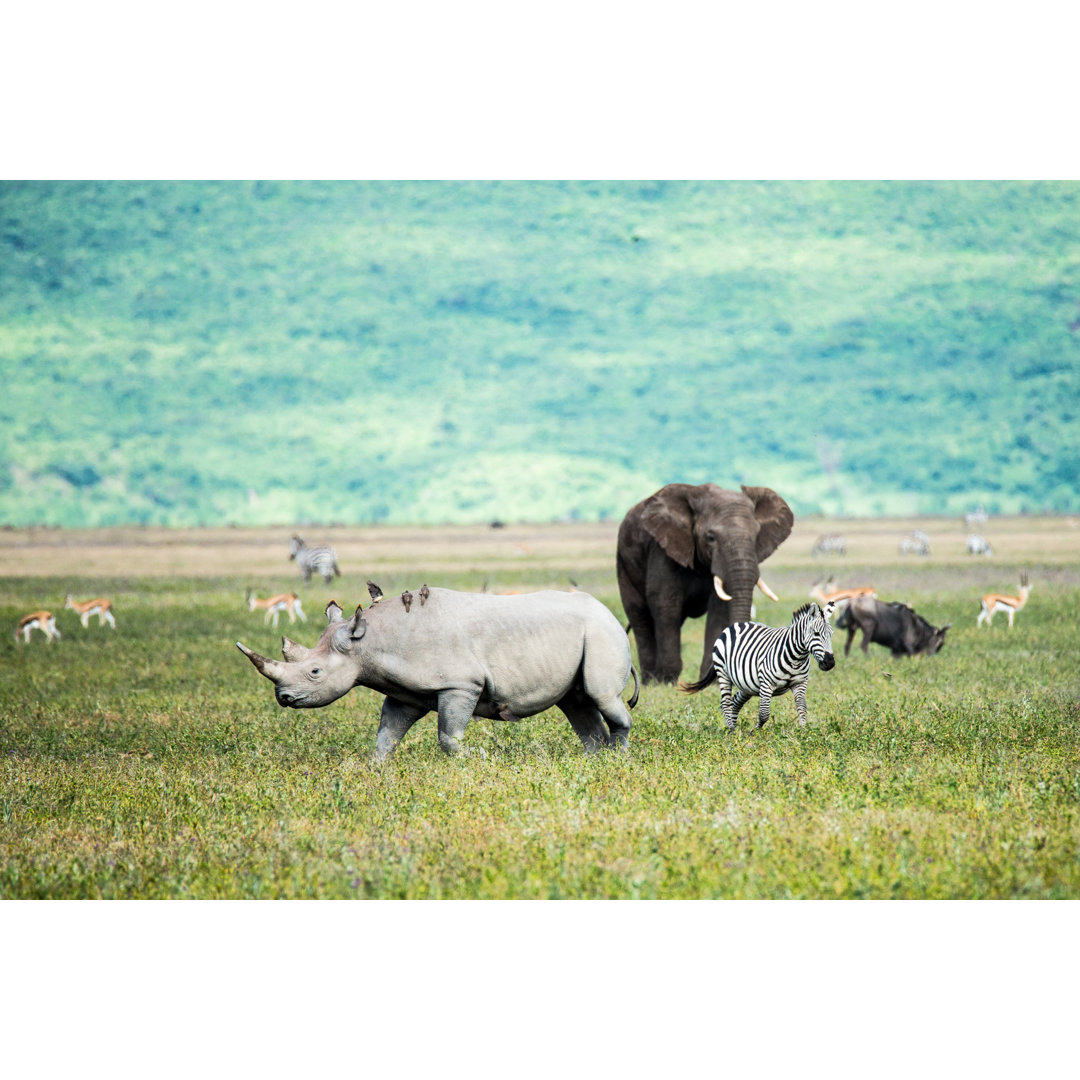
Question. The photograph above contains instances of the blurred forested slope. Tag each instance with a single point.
(184, 353)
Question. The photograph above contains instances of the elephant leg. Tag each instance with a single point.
(668, 666)
(396, 718)
(716, 619)
(645, 639)
(455, 711)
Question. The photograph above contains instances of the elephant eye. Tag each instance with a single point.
(710, 536)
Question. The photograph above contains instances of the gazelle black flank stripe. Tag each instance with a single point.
(750, 658)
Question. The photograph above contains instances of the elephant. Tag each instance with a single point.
(688, 551)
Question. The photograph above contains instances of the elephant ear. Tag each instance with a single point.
(774, 518)
(668, 519)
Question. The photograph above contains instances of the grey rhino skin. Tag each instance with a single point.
(464, 655)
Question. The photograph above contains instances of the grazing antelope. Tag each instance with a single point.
(99, 606)
(828, 594)
(994, 602)
(275, 605)
(37, 620)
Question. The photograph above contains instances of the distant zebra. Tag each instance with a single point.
(768, 660)
(975, 517)
(322, 560)
(829, 544)
(978, 545)
(915, 543)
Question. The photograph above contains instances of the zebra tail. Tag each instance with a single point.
(697, 687)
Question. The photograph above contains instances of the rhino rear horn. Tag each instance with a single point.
(292, 650)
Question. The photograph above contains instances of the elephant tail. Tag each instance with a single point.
(697, 687)
(637, 687)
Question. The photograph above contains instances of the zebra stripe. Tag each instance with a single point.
(753, 659)
(321, 560)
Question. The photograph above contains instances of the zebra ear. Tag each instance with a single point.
(332, 611)
(830, 609)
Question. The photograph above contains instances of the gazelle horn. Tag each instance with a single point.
(274, 670)
(766, 590)
(718, 585)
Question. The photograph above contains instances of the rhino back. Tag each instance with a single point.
(525, 650)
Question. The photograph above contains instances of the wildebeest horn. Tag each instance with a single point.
(766, 590)
(718, 585)
(274, 670)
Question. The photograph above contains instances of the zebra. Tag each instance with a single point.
(829, 544)
(978, 545)
(915, 543)
(769, 660)
(321, 559)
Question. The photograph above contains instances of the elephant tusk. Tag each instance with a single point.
(718, 585)
(274, 670)
(766, 590)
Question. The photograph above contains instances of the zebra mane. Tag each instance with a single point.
(805, 610)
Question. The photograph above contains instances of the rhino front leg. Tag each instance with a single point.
(396, 718)
(455, 712)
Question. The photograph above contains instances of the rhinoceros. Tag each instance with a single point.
(464, 655)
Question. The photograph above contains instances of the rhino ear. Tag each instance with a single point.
(774, 518)
(357, 626)
(332, 611)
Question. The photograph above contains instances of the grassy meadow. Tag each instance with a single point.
(152, 761)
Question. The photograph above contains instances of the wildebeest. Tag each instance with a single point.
(892, 624)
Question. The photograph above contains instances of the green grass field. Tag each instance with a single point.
(152, 761)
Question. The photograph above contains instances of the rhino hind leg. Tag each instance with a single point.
(586, 720)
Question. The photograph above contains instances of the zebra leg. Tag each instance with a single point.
(726, 704)
(763, 708)
(800, 702)
(395, 719)
(739, 700)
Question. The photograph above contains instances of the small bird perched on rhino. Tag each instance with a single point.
(374, 592)
(468, 654)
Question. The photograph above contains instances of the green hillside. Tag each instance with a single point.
(200, 353)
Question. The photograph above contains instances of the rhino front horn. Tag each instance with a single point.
(272, 669)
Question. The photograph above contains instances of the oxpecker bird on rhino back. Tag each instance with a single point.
(468, 654)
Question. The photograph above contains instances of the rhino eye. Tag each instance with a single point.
(316, 671)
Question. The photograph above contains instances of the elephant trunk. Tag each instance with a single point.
(734, 584)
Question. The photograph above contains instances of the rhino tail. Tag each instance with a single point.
(637, 687)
